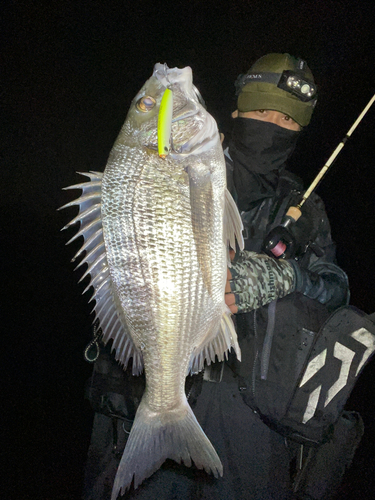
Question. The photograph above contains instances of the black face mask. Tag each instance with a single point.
(258, 150)
(262, 146)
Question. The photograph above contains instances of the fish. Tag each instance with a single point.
(156, 230)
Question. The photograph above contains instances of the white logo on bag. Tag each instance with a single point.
(345, 355)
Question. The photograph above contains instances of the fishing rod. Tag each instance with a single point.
(280, 243)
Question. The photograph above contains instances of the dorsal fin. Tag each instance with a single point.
(110, 318)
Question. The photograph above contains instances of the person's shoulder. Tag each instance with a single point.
(291, 180)
(315, 200)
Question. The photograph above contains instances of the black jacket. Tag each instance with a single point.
(272, 337)
(317, 274)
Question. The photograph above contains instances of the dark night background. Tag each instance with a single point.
(71, 69)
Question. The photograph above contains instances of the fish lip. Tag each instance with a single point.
(182, 76)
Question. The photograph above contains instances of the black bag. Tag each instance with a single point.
(324, 467)
(301, 381)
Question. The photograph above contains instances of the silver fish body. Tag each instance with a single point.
(158, 267)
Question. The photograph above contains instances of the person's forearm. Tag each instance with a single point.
(328, 286)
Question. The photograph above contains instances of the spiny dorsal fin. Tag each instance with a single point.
(89, 216)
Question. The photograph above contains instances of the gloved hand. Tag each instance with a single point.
(255, 280)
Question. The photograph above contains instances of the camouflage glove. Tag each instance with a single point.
(258, 280)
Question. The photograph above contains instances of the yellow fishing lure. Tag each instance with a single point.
(165, 123)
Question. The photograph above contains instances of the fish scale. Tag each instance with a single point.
(156, 235)
(152, 213)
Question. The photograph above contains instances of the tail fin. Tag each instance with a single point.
(157, 436)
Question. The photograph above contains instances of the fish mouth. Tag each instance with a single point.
(171, 76)
(193, 130)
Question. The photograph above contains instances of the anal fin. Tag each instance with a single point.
(216, 347)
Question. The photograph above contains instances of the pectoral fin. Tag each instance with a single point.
(232, 223)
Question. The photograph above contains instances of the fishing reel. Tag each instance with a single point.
(280, 243)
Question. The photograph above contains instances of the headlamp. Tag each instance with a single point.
(298, 86)
(290, 81)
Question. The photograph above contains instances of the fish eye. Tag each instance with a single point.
(145, 103)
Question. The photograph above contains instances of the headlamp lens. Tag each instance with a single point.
(298, 86)
(306, 89)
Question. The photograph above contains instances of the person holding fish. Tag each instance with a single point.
(275, 102)
(259, 415)
(267, 124)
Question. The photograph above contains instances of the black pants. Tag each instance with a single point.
(255, 458)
